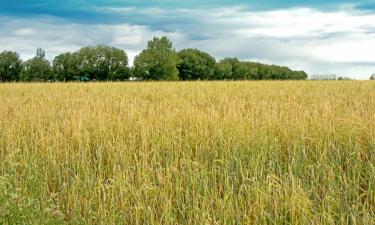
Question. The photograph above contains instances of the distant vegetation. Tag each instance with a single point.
(159, 61)
(323, 77)
(328, 77)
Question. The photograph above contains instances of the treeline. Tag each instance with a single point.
(159, 61)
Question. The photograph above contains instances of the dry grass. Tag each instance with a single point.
(295, 152)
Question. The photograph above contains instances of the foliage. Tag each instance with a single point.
(195, 65)
(234, 69)
(158, 61)
(40, 53)
(103, 63)
(223, 70)
(65, 66)
(344, 78)
(238, 68)
(10, 66)
(37, 68)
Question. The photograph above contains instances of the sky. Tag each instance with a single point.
(319, 37)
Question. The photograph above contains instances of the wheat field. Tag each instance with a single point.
(267, 152)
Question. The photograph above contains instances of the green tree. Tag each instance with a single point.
(195, 65)
(115, 63)
(40, 53)
(37, 68)
(103, 63)
(234, 69)
(158, 61)
(302, 75)
(65, 66)
(10, 66)
(86, 62)
(223, 70)
(239, 69)
(251, 70)
(372, 77)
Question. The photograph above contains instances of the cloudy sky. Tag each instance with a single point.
(313, 35)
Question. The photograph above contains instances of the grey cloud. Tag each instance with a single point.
(57, 36)
(290, 37)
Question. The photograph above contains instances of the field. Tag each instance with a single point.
(281, 152)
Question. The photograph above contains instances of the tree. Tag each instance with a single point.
(301, 75)
(238, 68)
(102, 63)
(252, 72)
(10, 66)
(40, 53)
(232, 68)
(65, 67)
(343, 78)
(372, 77)
(195, 65)
(223, 70)
(37, 68)
(158, 61)
(323, 77)
(115, 63)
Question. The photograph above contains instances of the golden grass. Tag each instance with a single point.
(292, 152)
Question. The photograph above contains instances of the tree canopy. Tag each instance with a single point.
(65, 66)
(37, 68)
(223, 71)
(10, 66)
(234, 69)
(195, 65)
(102, 63)
(93, 63)
(158, 61)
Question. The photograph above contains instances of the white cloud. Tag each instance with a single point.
(56, 36)
(340, 42)
(24, 32)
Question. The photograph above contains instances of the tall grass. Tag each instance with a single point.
(293, 152)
